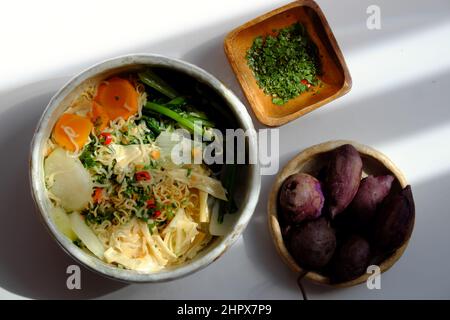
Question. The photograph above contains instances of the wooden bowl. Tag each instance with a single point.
(311, 160)
(336, 80)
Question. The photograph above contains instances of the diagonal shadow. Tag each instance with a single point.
(32, 264)
(429, 243)
(379, 117)
(398, 18)
(389, 117)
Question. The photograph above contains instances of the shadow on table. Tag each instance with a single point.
(379, 117)
(389, 117)
(32, 264)
(432, 218)
(397, 19)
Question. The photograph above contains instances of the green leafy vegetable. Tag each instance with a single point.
(177, 102)
(180, 111)
(153, 124)
(185, 122)
(229, 182)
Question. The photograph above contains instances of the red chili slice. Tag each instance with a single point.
(151, 204)
(98, 195)
(142, 176)
(157, 213)
(106, 138)
(306, 83)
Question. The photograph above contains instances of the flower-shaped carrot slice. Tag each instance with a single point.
(72, 131)
(118, 97)
(99, 117)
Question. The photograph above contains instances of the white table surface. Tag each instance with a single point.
(399, 104)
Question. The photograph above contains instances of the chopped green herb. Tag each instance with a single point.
(99, 217)
(87, 158)
(278, 101)
(170, 214)
(101, 178)
(151, 225)
(284, 65)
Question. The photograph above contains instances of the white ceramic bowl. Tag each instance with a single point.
(249, 183)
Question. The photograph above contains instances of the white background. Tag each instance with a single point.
(399, 104)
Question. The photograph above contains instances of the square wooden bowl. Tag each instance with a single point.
(335, 78)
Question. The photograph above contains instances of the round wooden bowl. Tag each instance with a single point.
(311, 160)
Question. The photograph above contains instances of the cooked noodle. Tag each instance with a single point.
(142, 225)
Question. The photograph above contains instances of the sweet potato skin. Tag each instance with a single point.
(343, 178)
(371, 193)
(301, 198)
(312, 244)
(394, 221)
(351, 259)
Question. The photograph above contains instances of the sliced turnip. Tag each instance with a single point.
(86, 235)
(61, 219)
(221, 229)
(68, 180)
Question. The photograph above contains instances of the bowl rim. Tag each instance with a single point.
(95, 264)
(274, 226)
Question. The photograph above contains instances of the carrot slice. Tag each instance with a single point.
(72, 131)
(118, 97)
(155, 154)
(99, 116)
(98, 195)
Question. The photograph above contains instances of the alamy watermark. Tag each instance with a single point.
(373, 21)
(74, 279)
(235, 146)
(374, 280)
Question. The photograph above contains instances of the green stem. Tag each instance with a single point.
(186, 123)
(153, 80)
(204, 122)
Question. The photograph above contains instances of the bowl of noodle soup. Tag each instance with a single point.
(120, 173)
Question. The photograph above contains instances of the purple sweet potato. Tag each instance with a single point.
(371, 193)
(394, 221)
(350, 260)
(343, 178)
(312, 244)
(301, 198)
